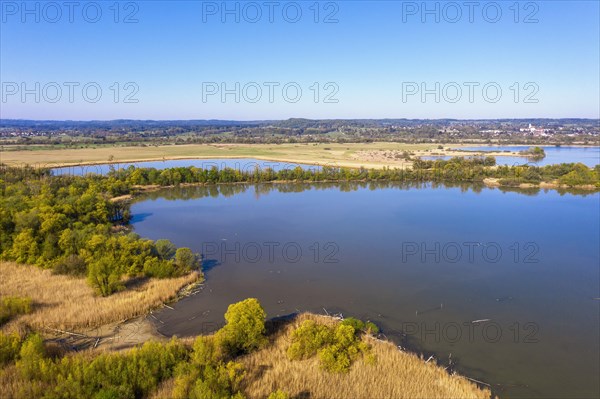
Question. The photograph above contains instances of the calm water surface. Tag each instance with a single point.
(422, 263)
(589, 156)
(243, 164)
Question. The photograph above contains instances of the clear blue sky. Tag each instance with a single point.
(374, 54)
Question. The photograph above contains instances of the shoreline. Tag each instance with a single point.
(363, 156)
(487, 182)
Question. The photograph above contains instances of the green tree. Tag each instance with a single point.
(31, 357)
(165, 249)
(104, 277)
(245, 328)
(25, 248)
(186, 260)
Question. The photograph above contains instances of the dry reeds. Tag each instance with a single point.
(395, 375)
(68, 303)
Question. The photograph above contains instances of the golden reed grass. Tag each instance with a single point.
(396, 374)
(64, 302)
(68, 303)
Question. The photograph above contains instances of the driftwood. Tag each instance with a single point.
(67, 332)
(477, 381)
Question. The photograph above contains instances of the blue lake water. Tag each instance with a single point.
(243, 164)
(589, 156)
(502, 281)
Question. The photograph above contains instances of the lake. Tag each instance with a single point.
(243, 164)
(589, 156)
(500, 282)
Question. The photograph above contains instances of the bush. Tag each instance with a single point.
(278, 394)
(31, 357)
(70, 265)
(308, 339)
(165, 249)
(338, 358)
(371, 328)
(186, 260)
(207, 350)
(357, 324)
(337, 347)
(104, 277)
(10, 346)
(154, 267)
(245, 328)
(13, 306)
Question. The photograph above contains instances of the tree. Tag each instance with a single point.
(186, 260)
(104, 277)
(245, 328)
(32, 355)
(165, 249)
(25, 249)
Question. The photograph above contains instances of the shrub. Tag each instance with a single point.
(222, 381)
(245, 328)
(337, 347)
(308, 339)
(186, 260)
(357, 324)
(165, 249)
(13, 306)
(31, 357)
(104, 277)
(70, 265)
(371, 328)
(10, 346)
(207, 350)
(278, 394)
(154, 267)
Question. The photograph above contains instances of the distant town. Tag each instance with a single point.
(132, 132)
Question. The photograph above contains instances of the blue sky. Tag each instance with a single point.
(373, 59)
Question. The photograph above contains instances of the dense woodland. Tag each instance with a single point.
(68, 225)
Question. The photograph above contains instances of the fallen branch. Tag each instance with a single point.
(477, 381)
(67, 332)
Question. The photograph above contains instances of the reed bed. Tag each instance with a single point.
(68, 303)
(396, 374)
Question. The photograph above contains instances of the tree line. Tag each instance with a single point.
(457, 169)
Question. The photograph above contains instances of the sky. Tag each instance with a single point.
(260, 60)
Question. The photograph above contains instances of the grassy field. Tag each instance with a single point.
(67, 303)
(323, 154)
